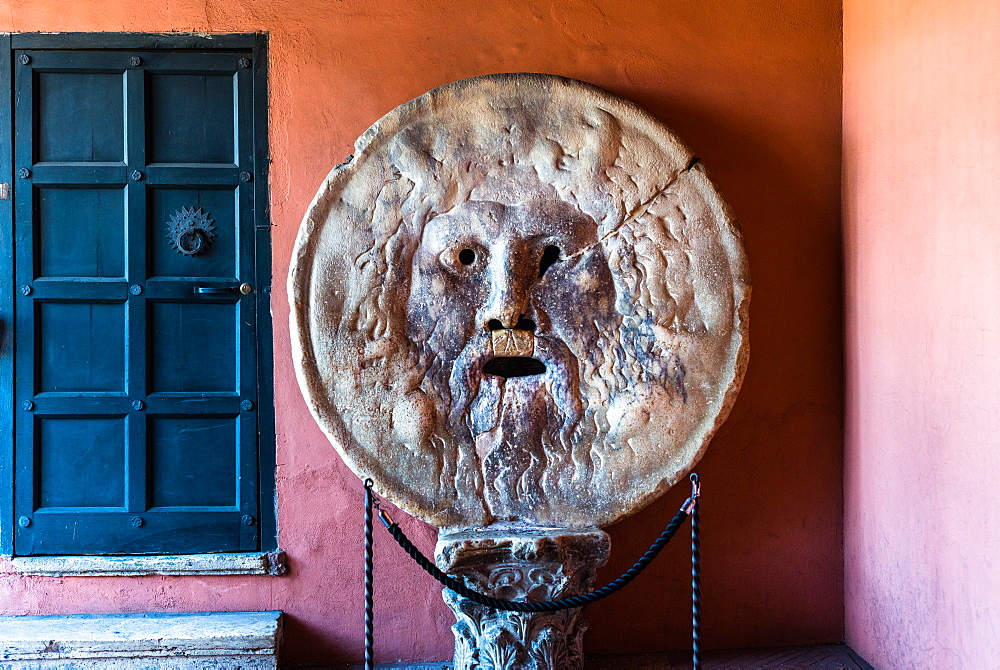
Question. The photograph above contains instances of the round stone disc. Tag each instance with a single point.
(521, 301)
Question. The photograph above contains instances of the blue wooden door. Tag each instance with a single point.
(136, 387)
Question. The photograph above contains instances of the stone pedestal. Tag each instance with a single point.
(520, 564)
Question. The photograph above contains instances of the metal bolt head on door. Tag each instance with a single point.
(24, 59)
(24, 173)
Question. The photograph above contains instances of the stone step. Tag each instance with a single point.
(164, 641)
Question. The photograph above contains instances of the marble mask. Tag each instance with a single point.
(522, 301)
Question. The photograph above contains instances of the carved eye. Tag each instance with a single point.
(549, 256)
(461, 259)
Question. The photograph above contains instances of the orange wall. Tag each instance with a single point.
(921, 197)
(754, 87)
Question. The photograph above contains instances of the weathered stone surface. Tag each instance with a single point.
(521, 301)
(520, 564)
(135, 566)
(247, 640)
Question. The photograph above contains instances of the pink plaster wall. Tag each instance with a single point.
(754, 87)
(922, 243)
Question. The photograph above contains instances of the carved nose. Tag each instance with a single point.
(509, 291)
(505, 312)
(507, 306)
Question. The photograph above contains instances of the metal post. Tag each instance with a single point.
(695, 577)
(369, 580)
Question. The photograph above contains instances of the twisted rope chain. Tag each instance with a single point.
(689, 508)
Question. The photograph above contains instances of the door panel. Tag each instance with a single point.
(80, 116)
(73, 462)
(81, 232)
(135, 349)
(217, 208)
(81, 347)
(192, 118)
(194, 462)
(194, 347)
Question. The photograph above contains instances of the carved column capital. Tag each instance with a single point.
(520, 564)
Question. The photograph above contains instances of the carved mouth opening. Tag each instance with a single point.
(514, 366)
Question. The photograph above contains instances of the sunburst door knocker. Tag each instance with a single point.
(191, 231)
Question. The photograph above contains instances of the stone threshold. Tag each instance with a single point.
(137, 566)
(246, 640)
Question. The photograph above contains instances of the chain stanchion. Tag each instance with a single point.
(688, 509)
(529, 606)
(369, 578)
(695, 574)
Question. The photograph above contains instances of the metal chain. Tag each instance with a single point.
(689, 508)
(695, 575)
(548, 606)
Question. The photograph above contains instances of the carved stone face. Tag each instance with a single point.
(488, 267)
(520, 302)
(516, 295)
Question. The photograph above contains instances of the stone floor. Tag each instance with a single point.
(824, 657)
(827, 657)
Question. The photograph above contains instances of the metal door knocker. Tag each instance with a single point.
(191, 231)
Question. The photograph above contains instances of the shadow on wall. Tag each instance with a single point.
(772, 474)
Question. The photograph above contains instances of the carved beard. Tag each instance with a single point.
(522, 444)
(517, 434)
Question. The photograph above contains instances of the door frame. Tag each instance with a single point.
(256, 44)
